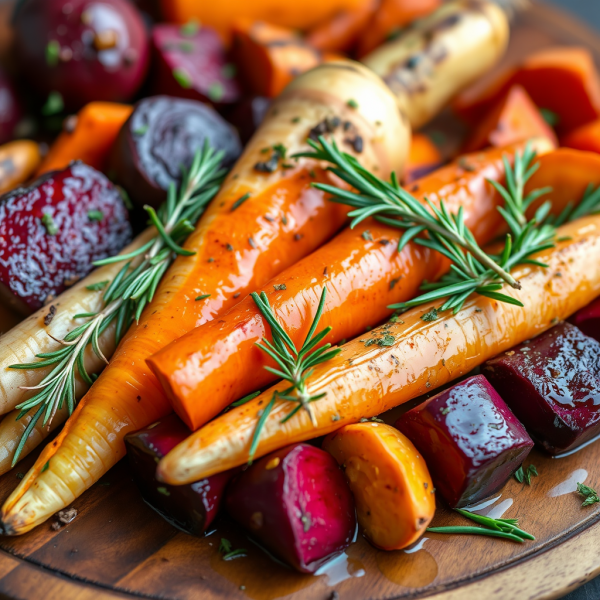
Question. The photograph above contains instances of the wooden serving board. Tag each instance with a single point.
(117, 547)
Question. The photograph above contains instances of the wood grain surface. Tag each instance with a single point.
(117, 547)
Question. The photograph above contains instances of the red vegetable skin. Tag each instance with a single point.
(297, 503)
(471, 441)
(191, 507)
(52, 232)
(586, 137)
(84, 49)
(248, 115)
(10, 109)
(552, 384)
(190, 62)
(588, 319)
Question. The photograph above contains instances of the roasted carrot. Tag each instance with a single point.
(340, 32)
(390, 17)
(586, 137)
(18, 162)
(514, 118)
(88, 136)
(562, 80)
(222, 15)
(240, 243)
(217, 363)
(427, 64)
(268, 57)
(392, 487)
(424, 157)
(365, 380)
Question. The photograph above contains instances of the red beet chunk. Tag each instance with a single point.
(552, 384)
(248, 115)
(190, 507)
(588, 319)
(471, 441)
(191, 63)
(297, 503)
(10, 109)
(52, 232)
(84, 49)
(162, 135)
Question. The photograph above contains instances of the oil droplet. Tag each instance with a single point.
(409, 570)
(569, 485)
(486, 509)
(482, 505)
(416, 546)
(341, 568)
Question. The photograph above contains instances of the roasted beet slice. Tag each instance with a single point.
(190, 507)
(10, 109)
(84, 49)
(588, 319)
(297, 503)
(190, 62)
(552, 384)
(471, 441)
(160, 137)
(52, 232)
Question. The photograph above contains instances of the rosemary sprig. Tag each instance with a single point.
(502, 528)
(295, 366)
(126, 295)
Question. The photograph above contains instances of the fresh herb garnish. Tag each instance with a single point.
(52, 53)
(226, 549)
(190, 28)
(216, 91)
(240, 201)
(352, 103)
(96, 287)
(280, 286)
(182, 78)
(524, 475)
(293, 365)
(49, 224)
(503, 528)
(431, 315)
(550, 117)
(590, 495)
(202, 297)
(95, 215)
(128, 293)
(54, 104)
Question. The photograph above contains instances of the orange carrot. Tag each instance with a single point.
(88, 136)
(18, 162)
(269, 57)
(221, 15)
(340, 32)
(240, 243)
(217, 363)
(562, 80)
(586, 137)
(392, 15)
(365, 380)
(514, 118)
(423, 158)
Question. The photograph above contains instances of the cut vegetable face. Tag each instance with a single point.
(587, 319)
(18, 162)
(54, 230)
(162, 135)
(552, 384)
(192, 507)
(394, 494)
(470, 439)
(297, 504)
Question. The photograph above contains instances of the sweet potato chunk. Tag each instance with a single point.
(392, 487)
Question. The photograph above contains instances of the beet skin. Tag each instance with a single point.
(552, 384)
(52, 232)
(190, 507)
(471, 441)
(297, 503)
(588, 319)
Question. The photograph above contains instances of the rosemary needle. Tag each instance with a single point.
(126, 295)
(476, 531)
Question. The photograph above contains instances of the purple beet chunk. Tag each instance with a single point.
(190, 507)
(162, 135)
(191, 63)
(248, 115)
(552, 384)
(588, 319)
(84, 49)
(297, 503)
(471, 441)
(10, 109)
(52, 232)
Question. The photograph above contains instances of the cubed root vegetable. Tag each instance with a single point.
(552, 384)
(586, 137)
(18, 162)
(191, 507)
(513, 118)
(297, 504)
(392, 488)
(588, 319)
(470, 439)
(87, 137)
(562, 80)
